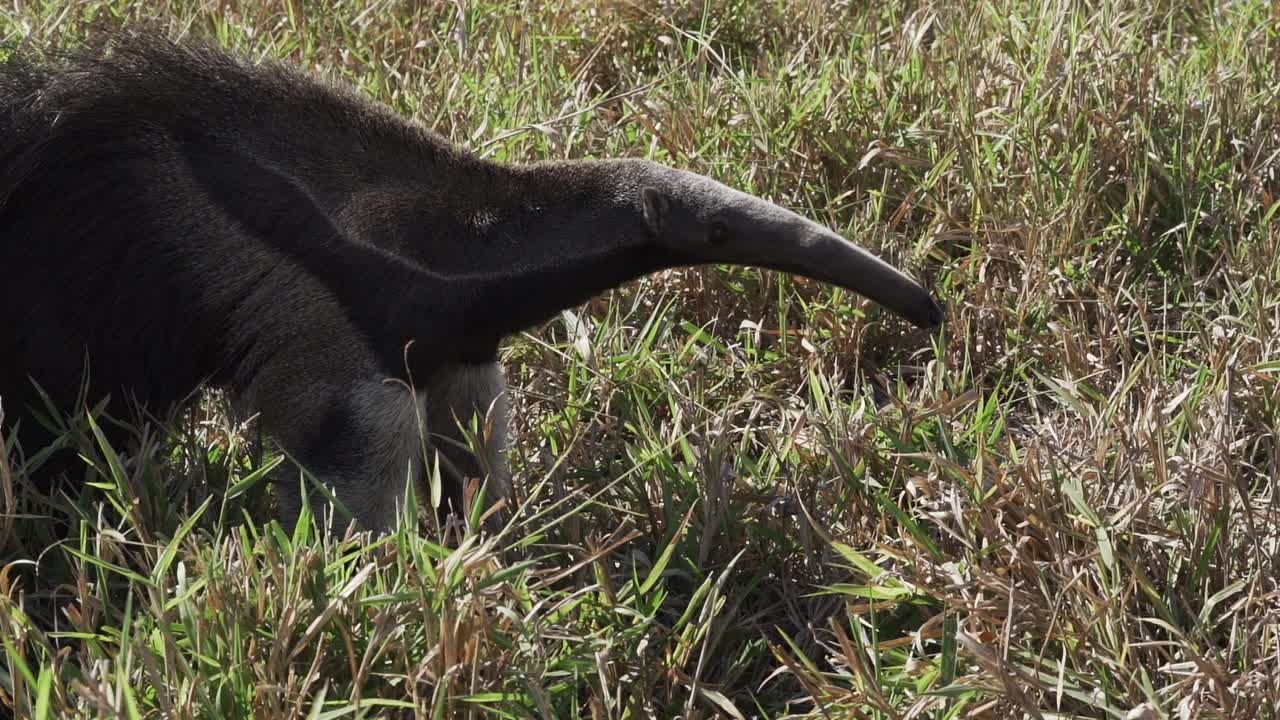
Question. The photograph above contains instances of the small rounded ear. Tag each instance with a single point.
(655, 207)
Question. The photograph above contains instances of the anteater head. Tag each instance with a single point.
(704, 222)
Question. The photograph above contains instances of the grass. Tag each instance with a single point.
(745, 494)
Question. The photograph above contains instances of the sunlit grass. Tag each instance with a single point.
(745, 494)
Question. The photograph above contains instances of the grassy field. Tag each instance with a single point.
(742, 494)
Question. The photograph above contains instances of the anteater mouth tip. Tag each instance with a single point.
(930, 316)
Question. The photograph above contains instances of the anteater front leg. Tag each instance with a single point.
(460, 393)
(362, 439)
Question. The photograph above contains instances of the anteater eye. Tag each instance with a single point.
(719, 233)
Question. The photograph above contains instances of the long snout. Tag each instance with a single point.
(830, 258)
(761, 234)
(787, 242)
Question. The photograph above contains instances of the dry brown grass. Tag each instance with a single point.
(748, 494)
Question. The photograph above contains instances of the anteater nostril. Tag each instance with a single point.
(933, 315)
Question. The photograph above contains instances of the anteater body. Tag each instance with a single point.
(172, 216)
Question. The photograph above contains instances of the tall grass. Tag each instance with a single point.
(743, 494)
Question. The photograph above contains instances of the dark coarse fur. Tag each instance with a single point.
(178, 217)
(188, 206)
